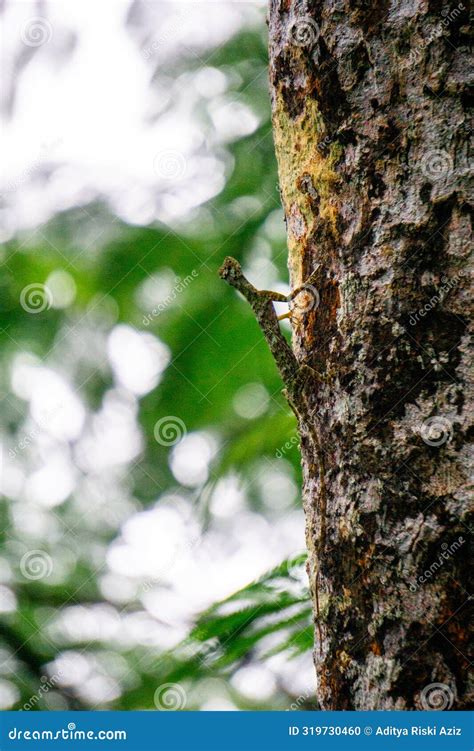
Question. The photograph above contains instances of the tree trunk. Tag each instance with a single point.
(371, 136)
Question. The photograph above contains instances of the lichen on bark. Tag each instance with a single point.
(307, 177)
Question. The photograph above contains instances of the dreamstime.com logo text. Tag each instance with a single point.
(46, 685)
(28, 438)
(447, 286)
(288, 446)
(450, 16)
(67, 734)
(446, 552)
(45, 152)
(180, 286)
(301, 701)
(172, 28)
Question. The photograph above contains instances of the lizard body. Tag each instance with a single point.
(295, 375)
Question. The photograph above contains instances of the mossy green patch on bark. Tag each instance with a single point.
(307, 177)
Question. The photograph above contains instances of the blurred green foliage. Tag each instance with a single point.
(216, 348)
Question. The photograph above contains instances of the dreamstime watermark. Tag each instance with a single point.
(28, 438)
(36, 564)
(36, 31)
(447, 285)
(24, 442)
(436, 164)
(34, 166)
(437, 697)
(436, 430)
(325, 143)
(296, 572)
(292, 576)
(71, 733)
(445, 555)
(46, 685)
(303, 32)
(202, 653)
(170, 164)
(287, 446)
(172, 29)
(300, 701)
(448, 17)
(36, 298)
(306, 298)
(180, 286)
(169, 430)
(170, 697)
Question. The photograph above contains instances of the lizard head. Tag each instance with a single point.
(231, 270)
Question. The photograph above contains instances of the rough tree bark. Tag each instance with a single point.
(369, 106)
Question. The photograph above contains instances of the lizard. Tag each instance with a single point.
(295, 374)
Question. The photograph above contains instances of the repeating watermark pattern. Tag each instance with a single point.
(205, 653)
(300, 701)
(170, 164)
(451, 15)
(445, 555)
(305, 300)
(288, 446)
(36, 31)
(417, 53)
(448, 17)
(46, 685)
(36, 298)
(297, 573)
(180, 286)
(36, 564)
(437, 697)
(169, 430)
(40, 159)
(447, 285)
(325, 143)
(437, 430)
(173, 27)
(436, 164)
(28, 438)
(170, 697)
(24, 442)
(303, 32)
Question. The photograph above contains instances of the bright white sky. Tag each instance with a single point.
(85, 105)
